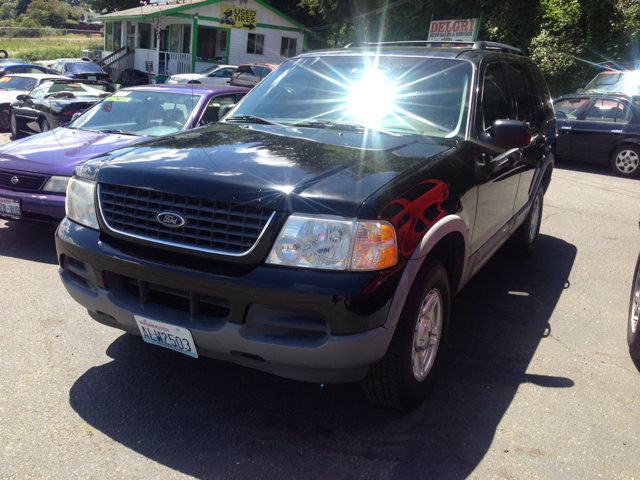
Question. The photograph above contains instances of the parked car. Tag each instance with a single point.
(623, 82)
(80, 69)
(319, 231)
(218, 75)
(250, 74)
(600, 128)
(53, 102)
(13, 85)
(34, 171)
(15, 68)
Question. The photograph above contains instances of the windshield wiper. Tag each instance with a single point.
(338, 125)
(121, 131)
(250, 119)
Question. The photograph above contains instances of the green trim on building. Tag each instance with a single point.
(304, 43)
(228, 44)
(194, 44)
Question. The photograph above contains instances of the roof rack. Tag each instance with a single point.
(479, 45)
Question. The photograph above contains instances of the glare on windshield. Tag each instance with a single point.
(139, 112)
(402, 95)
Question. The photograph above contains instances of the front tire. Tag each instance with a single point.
(5, 119)
(633, 327)
(44, 125)
(15, 127)
(525, 239)
(405, 375)
(626, 161)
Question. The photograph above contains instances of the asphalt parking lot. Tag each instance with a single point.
(537, 380)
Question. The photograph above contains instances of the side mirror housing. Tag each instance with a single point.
(579, 90)
(74, 116)
(224, 110)
(510, 134)
(22, 97)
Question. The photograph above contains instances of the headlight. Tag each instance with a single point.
(80, 203)
(56, 184)
(335, 243)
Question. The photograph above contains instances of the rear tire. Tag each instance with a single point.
(524, 240)
(625, 162)
(633, 326)
(44, 125)
(15, 127)
(405, 375)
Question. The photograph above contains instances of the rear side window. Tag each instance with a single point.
(495, 97)
(609, 111)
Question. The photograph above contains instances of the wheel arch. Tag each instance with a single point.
(448, 242)
(626, 141)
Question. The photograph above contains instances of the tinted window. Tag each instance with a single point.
(210, 114)
(84, 67)
(495, 99)
(570, 108)
(608, 111)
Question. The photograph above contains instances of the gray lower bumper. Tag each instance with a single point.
(341, 358)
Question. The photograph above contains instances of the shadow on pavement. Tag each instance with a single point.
(587, 167)
(28, 242)
(213, 419)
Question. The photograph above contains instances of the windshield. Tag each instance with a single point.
(622, 82)
(84, 67)
(210, 70)
(139, 113)
(398, 95)
(75, 90)
(18, 83)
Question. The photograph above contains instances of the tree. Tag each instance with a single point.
(50, 13)
(109, 6)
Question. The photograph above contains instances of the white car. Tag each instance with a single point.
(13, 85)
(219, 75)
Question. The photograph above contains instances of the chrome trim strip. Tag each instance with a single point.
(186, 247)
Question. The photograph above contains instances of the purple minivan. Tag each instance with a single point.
(34, 171)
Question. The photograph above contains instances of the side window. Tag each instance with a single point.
(210, 114)
(605, 111)
(495, 98)
(519, 88)
(623, 114)
(570, 108)
(257, 71)
(34, 70)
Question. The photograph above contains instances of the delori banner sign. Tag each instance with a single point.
(453, 30)
(234, 17)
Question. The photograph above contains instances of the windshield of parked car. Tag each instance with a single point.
(71, 90)
(139, 113)
(622, 82)
(398, 95)
(17, 83)
(83, 67)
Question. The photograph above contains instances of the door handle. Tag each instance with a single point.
(616, 131)
(565, 128)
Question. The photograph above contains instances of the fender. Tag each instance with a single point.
(449, 224)
(632, 141)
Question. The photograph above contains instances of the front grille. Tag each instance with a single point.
(211, 226)
(27, 182)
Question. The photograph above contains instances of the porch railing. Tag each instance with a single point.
(118, 66)
(113, 56)
(172, 63)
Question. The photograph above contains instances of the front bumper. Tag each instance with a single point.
(313, 326)
(36, 208)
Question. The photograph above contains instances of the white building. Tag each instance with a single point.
(188, 36)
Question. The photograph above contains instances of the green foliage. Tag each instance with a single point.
(51, 53)
(50, 13)
(111, 5)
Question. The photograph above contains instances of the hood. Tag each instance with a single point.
(285, 168)
(8, 96)
(59, 151)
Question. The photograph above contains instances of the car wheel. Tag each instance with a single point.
(15, 127)
(5, 119)
(524, 240)
(405, 375)
(633, 329)
(44, 125)
(626, 161)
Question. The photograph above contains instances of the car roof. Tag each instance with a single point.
(614, 95)
(38, 76)
(187, 89)
(8, 65)
(258, 64)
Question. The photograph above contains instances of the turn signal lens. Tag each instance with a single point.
(375, 246)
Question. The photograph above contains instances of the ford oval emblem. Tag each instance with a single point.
(170, 219)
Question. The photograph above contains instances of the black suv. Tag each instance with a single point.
(320, 230)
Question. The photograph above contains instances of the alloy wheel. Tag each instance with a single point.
(427, 334)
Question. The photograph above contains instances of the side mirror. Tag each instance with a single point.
(510, 134)
(75, 115)
(64, 124)
(224, 110)
(22, 97)
(579, 90)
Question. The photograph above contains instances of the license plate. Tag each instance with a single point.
(10, 207)
(166, 335)
(92, 77)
